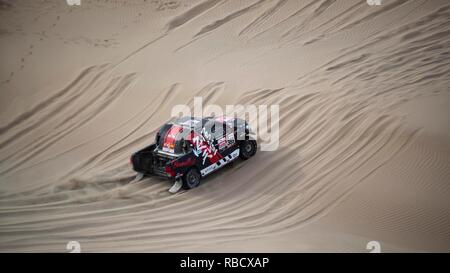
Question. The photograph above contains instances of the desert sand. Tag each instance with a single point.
(364, 102)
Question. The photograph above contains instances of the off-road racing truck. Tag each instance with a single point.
(190, 148)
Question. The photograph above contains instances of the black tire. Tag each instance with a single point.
(191, 179)
(247, 149)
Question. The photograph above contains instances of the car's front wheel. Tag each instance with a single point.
(191, 179)
(247, 148)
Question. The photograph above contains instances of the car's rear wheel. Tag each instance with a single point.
(191, 179)
(247, 149)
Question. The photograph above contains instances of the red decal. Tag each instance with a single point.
(189, 162)
(203, 148)
(169, 141)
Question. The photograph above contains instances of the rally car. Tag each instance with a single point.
(190, 148)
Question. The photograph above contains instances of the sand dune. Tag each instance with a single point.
(364, 131)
